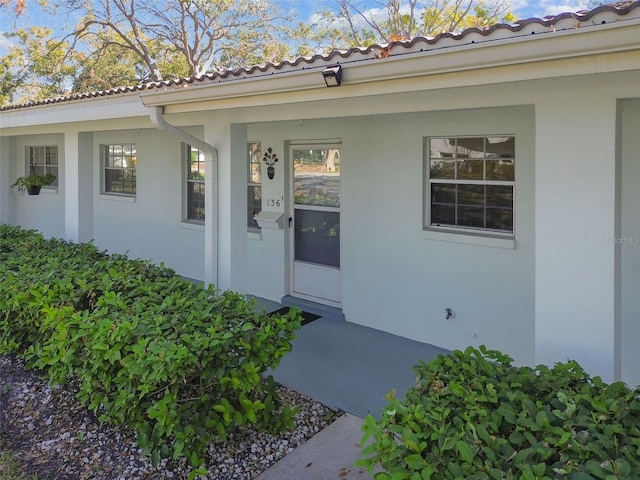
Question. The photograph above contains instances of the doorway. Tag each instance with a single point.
(315, 223)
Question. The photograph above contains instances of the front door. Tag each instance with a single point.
(315, 219)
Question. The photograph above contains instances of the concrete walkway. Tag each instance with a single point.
(330, 454)
(349, 367)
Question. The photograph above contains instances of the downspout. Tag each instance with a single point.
(211, 196)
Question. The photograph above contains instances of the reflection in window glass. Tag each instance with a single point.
(195, 167)
(471, 182)
(317, 237)
(254, 184)
(43, 160)
(317, 177)
(120, 164)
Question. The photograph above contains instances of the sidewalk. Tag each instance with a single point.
(328, 455)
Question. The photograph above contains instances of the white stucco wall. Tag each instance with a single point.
(396, 277)
(575, 205)
(628, 241)
(550, 297)
(44, 212)
(149, 225)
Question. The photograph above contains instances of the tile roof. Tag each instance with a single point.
(533, 26)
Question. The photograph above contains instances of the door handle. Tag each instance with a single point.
(290, 220)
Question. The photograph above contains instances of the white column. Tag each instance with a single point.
(7, 210)
(575, 219)
(229, 189)
(71, 185)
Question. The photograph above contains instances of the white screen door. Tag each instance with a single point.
(316, 223)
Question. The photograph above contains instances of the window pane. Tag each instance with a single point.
(195, 200)
(470, 216)
(317, 237)
(443, 214)
(471, 194)
(317, 177)
(470, 169)
(443, 193)
(119, 168)
(43, 160)
(501, 147)
(120, 181)
(253, 158)
(443, 168)
(442, 147)
(500, 219)
(471, 182)
(499, 196)
(472, 147)
(500, 170)
(254, 203)
(255, 173)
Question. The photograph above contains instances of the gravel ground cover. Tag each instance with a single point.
(53, 437)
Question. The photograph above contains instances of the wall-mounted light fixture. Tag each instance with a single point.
(333, 76)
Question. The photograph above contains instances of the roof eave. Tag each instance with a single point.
(519, 50)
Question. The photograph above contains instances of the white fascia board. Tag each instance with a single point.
(486, 58)
(109, 107)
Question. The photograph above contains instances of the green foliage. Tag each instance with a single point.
(472, 415)
(34, 180)
(181, 364)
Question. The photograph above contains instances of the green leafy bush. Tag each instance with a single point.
(181, 364)
(472, 415)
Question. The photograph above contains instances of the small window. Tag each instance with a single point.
(254, 185)
(43, 160)
(195, 167)
(470, 183)
(119, 163)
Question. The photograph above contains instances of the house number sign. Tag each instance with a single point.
(274, 202)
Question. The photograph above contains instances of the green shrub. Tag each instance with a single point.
(181, 364)
(472, 415)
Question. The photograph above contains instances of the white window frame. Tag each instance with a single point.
(254, 181)
(38, 159)
(430, 225)
(189, 180)
(106, 154)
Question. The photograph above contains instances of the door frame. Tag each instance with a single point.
(311, 145)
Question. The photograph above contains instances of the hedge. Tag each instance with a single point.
(181, 364)
(473, 415)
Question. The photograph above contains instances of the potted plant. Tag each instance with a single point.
(33, 183)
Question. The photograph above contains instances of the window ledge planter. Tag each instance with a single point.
(33, 183)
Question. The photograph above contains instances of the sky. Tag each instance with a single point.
(522, 9)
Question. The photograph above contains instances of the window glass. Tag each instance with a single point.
(120, 162)
(195, 167)
(471, 182)
(317, 177)
(42, 160)
(254, 184)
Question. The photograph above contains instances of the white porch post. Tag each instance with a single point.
(575, 226)
(230, 191)
(6, 201)
(77, 185)
(71, 186)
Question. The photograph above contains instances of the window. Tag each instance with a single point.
(470, 183)
(195, 165)
(43, 160)
(254, 185)
(119, 162)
